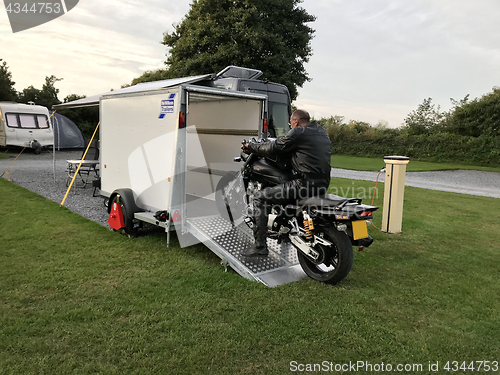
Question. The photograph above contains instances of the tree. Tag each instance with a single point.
(47, 96)
(270, 35)
(477, 117)
(332, 125)
(7, 90)
(29, 94)
(86, 118)
(149, 76)
(425, 119)
(359, 126)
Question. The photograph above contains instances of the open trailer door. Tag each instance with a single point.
(216, 123)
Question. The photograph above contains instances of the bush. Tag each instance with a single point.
(476, 118)
(439, 147)
(469, 133)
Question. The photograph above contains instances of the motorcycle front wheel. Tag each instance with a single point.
(335, 261)
(225, 202)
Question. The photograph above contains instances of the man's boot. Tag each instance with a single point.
(259, 248)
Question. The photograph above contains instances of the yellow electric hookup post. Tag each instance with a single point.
(79, 165)
(395, 172)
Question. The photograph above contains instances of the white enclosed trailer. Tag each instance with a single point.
(163, 152)
(22, 124)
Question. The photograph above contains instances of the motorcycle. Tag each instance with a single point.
(323, 229)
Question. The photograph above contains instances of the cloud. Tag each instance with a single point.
(95, 47)
(383, 58)
(147, 20)
(371, 60)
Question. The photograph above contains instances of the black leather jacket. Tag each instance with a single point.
(309, 147)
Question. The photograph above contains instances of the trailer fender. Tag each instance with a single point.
(125, 209)
(127, 199)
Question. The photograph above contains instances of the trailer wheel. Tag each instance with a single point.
(129, 228)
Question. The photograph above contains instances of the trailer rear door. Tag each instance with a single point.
(216, 123)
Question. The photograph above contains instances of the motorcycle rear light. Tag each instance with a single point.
(366, 213)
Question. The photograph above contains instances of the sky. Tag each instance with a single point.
(373, 61)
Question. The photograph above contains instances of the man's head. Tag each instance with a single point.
(299, 118)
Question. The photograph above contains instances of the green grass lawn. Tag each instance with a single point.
(374, 164)
(77, 298)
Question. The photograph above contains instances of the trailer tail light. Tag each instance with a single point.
(182, 120)
(264, 126)
(175, 217)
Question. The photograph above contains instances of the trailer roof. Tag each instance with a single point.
(141, 87)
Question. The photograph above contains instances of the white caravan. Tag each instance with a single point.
(25, 126)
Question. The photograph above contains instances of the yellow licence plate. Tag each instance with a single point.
(359, 229)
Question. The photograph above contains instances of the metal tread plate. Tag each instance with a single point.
(227, 241)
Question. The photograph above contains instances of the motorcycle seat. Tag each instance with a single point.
(326, 200)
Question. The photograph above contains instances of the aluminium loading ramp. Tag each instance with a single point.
(281, 266)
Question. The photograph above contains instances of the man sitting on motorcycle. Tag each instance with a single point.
(308, 146)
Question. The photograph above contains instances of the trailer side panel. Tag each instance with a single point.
(138, 135)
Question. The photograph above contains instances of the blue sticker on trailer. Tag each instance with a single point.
(167, 106)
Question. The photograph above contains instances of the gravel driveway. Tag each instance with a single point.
(36, 173)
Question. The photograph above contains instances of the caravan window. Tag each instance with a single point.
(12, 120)
(27, 121)
(42, 121)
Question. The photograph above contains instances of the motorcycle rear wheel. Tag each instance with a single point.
(335, 261)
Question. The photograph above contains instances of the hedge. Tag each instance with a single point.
(439, 147)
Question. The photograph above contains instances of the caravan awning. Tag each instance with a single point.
(140, 87)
